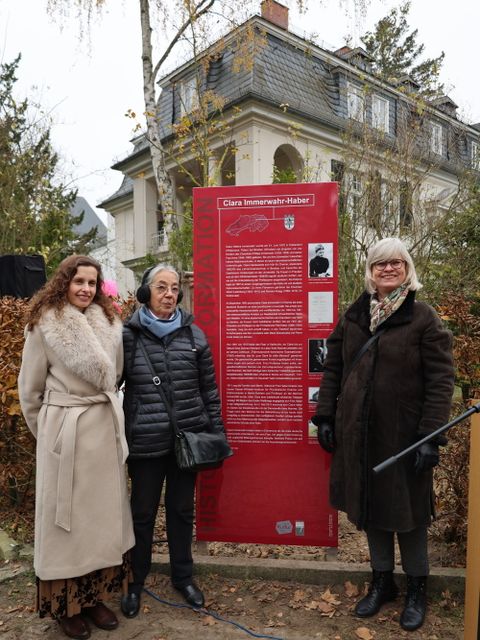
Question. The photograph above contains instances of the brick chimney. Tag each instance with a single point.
(275, 12)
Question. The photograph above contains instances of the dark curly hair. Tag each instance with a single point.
(54, 294)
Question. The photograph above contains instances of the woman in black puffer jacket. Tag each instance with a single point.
(181, 357)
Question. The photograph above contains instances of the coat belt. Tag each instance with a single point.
(76, 405)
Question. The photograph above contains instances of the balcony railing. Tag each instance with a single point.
(159, 241)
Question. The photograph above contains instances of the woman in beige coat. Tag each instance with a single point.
(71, 362)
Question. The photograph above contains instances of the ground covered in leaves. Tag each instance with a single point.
(352, 547)
(276, 610)
(352, 544)
(271, 610)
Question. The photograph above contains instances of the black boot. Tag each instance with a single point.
(415, 603)
(382, 589)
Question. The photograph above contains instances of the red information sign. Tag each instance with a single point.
(265, 264)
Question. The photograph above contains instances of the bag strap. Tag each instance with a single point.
(363, 349)
(158, 386)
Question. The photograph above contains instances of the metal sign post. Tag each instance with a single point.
(472, 587)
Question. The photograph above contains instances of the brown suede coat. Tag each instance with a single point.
(399, 391)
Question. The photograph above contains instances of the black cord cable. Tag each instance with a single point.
(206, 612)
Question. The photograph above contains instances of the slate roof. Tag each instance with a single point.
(289, 71)
(125, 189)
(281, 74)
(90, 220)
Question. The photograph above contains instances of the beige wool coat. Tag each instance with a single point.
(67, 386)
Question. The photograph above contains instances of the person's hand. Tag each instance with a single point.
(426, 457)
(326, 436)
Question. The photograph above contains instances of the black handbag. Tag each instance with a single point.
(199, 451)
(194, 451)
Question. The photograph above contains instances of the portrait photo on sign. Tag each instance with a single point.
(317, 353)
(313, 392)
(320, 260)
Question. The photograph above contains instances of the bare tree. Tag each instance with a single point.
(176, 24)
(388, 189)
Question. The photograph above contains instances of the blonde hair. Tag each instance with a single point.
(389, 249)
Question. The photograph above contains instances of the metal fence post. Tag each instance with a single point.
(472, 587)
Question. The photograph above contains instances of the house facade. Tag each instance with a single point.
(290, 112)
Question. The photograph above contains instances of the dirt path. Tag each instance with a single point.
(287, 611)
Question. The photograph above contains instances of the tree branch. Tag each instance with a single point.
(199, 11)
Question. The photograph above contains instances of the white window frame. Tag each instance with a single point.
(188, 96)
(475, 155)
(436, 140)
(356, 190)
(380, 113)
(356, 183)
(387, 199)
(355, 102)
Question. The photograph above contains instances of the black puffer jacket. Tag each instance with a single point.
(187, 376)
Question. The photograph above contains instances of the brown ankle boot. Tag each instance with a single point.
(101, 616)
(75, 627)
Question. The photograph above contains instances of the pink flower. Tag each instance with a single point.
(110, 288)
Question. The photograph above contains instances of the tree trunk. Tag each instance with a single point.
(162, 179)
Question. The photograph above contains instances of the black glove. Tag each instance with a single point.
(426, 457)
(326, 436)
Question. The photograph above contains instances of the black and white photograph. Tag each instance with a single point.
(313, 394)
(320, 260)
(317, 353)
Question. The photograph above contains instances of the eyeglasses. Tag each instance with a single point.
(395, 264)
(162, 288)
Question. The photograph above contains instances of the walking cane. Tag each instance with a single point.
(472, 582)
(389, 461)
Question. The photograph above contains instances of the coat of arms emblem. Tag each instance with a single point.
(289, 221)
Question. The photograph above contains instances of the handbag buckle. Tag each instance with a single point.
(156, 381)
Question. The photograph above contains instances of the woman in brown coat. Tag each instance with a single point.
(72, 359)
(373, 405)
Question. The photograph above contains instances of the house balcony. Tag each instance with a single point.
(159, 242)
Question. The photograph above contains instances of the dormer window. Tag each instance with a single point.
(475, 156)
(380, 113)
(436, 140)
(355, 103)
(188, 96)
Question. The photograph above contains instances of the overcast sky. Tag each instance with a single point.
(88, 90)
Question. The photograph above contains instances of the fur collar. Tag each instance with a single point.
(85, 342)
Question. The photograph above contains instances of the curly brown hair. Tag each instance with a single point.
(53, 295)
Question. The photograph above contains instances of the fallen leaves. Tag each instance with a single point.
(13, 609)
(351, 590)
(364, 634)
(331, 598)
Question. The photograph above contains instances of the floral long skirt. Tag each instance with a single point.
(59, 598)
